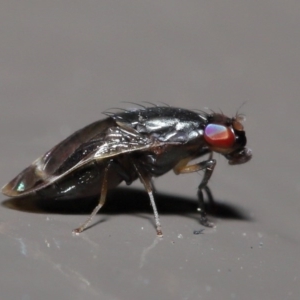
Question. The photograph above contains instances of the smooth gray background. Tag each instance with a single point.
(64, 62)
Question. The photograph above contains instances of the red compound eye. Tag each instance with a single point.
(219, 136)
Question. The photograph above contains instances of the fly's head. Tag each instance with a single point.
(227, 136)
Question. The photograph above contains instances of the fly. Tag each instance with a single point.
(129, 145)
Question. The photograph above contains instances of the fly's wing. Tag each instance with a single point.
(97, 141)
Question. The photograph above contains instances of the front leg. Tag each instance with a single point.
(208, 167)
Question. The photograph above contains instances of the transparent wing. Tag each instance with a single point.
(98, 141)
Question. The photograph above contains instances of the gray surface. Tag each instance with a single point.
(63, 62)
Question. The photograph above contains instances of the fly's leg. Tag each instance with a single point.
(100, 204)
(146, 180)
(208, 167)
(201, 208)
(210, 197)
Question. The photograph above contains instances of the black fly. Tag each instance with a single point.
(141, 143)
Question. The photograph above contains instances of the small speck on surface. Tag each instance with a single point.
(196, 232)
(208, 288)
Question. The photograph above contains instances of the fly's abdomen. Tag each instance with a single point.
(87, 181)
(84, 182)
